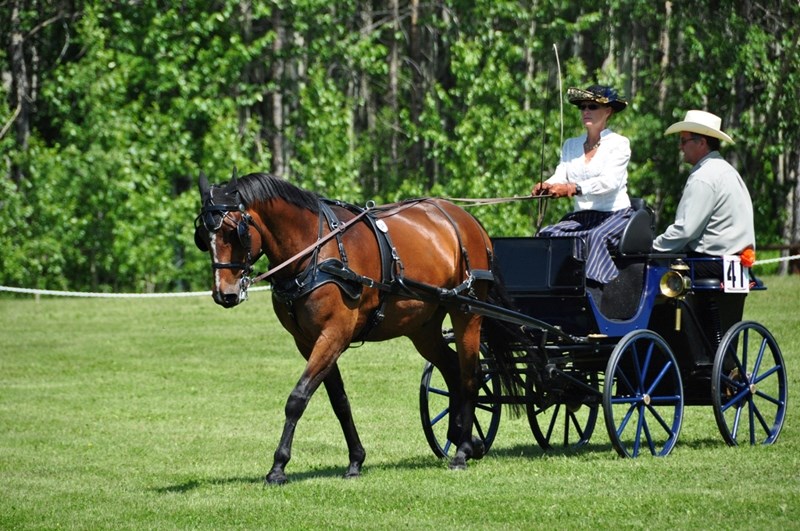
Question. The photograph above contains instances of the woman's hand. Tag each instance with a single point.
(562, 190)
(541, 189)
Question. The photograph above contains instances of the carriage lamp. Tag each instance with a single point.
(674, 284)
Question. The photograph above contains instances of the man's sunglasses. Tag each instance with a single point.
(686, 140)
(590, 106)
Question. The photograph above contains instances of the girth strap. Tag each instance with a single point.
(329, 270)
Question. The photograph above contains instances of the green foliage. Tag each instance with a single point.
(133, 100)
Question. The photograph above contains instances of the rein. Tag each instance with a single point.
(383, 213)
(478, 201)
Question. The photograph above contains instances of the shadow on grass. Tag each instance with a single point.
(704, 443)
(533, 451)
(194, 484)
(418, 462)
(294, 477)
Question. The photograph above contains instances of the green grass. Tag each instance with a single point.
(164, 413)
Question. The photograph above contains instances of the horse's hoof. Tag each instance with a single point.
(276, 478)
(353, 471)
(458, 463)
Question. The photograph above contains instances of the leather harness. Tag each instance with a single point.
(337, 271)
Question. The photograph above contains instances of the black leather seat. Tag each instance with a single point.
(620, 298)
(637, 237)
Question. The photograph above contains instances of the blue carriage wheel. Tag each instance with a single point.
(749, 385)
(434, 409)
(561, 420)
(643, 395)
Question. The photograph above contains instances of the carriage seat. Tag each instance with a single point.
(619, 299)
(637, 237)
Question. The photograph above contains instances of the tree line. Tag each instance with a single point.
(110, 110)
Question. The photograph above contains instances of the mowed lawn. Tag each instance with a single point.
(164, 413)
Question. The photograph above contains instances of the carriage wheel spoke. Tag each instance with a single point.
(437, 391)
(625, 419)
(641, 369)
(484, 407)
(637, 439)
(761, 349)
(479, 429)
(646, 427)
(761, 419)
(440, 416)
(769, 398)
(447, 446)
(657, 380)
(573, 419)
(751, 409)
(736, 418)
(553, 419)
(621, 377)
(762, 377)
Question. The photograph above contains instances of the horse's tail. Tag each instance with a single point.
(505, 343)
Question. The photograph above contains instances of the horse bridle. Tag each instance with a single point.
(212, 217)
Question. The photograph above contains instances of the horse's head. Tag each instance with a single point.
(225, 229)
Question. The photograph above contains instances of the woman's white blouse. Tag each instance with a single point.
(604, 179)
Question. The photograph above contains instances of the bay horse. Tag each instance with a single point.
(341, 274)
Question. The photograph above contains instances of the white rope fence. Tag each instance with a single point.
(776, 260)
(98, 295)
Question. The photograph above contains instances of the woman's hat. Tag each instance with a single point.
(597, 93)
(700, 122)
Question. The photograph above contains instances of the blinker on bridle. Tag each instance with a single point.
(212, 217)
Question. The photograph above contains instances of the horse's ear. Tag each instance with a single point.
(234, 179)
(202, 183)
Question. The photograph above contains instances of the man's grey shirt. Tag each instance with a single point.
(715, 213)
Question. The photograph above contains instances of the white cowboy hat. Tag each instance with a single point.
(700, 122)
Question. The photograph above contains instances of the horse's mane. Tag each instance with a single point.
(255, 187)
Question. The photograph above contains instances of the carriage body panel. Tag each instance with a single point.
(545, 277)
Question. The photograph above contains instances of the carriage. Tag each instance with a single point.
(527, 331)
(656, 339)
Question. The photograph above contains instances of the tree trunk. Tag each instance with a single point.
(250, 77)
(417, 91)
(664, 48)
(368, 116)
(278, 161)
(20, 86)
(530, 64)
(394, 73)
